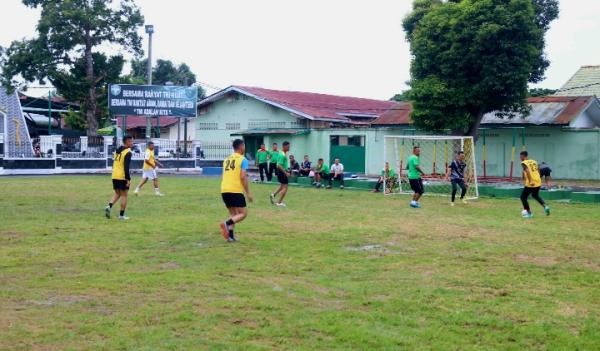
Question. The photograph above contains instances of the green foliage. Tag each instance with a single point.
(403, 96)
(472, 57)
(75, 120)
(162, 72)
(70, 35)
(335, 270)
(537, 92)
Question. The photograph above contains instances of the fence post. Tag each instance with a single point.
(108, 140)
(84, 144)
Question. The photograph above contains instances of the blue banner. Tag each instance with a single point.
(152, 100)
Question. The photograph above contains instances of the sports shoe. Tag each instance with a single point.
(314, 183)
(137, 191)
(547, 210)
(224, 231)
(464, 201)
(528, 215)
(159, 194)
(107, 212)
(123, 218)
(281, 204)
(328, 187)
(341, 187)
(452, 204)
(414, 205)
(232, 237)
(272, 198)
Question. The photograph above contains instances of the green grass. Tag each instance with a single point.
(336, 270)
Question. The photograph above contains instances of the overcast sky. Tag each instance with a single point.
(346, 47)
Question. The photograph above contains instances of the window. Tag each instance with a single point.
(347, 140)
(233, 126)
(208, 126)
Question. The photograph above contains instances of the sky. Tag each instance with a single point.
(343, 47)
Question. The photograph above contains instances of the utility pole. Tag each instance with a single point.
(49, 112)
(149, 31)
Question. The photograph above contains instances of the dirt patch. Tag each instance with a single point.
(169, 265)
(375, 248)
(60, 300)
(545, 261)
(12, 235)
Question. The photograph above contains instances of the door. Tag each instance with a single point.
(350, 150)
(252, 144)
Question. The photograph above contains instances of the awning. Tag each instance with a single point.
(250, 132)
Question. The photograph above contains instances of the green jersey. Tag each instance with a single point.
(273, 154)
(261, 156)
(391, 173)
(413, 163)
(323, 169)
(282, 160)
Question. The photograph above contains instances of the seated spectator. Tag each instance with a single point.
(388, 176)
(305, 167)
(321, 172)
(336, 173)
(294, 166)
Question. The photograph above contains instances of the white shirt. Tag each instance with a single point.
(339, 168)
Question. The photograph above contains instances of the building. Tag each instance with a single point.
(317, 125)
(586, 82)
(353, 130)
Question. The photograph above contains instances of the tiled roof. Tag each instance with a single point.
(557, 110)
(140, 122)
(399, 114)
(586, 82)
(316, 106)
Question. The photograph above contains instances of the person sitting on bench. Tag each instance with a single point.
(336, 173)
(321, 172)
(294, 166)
(388, 176)
(305, 167)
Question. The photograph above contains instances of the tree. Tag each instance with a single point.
(70, 35)
(537, 92)
(163, 72)
(403, 96)
(471, 57)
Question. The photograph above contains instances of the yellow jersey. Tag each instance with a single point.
(120, 169)
(149, 157)
(232, 174)
(535, 180)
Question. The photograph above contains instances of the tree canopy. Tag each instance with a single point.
(163, 72)
(471, 57)
(67, 49)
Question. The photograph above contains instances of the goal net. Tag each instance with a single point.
(437, 153)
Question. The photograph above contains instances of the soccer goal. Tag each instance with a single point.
(437, 153)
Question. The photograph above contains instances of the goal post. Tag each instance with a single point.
(437, 153)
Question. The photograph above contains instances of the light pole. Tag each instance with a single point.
(149, 31)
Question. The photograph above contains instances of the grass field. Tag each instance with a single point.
(336, 270)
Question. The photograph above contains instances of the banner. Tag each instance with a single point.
(152, 100)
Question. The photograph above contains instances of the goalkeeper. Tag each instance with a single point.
(456, 175)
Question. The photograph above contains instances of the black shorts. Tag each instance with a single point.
(282, 178)
(120, 184)
(234, 199)
(417, 186)
(545, 172)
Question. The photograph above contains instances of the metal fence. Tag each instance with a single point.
(165, 149)
(82, 147)
(216, 151)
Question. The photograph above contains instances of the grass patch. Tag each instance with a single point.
(335, 270)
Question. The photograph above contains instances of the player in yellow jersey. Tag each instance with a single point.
(233, 187)
(121, 178)
(149, 170)
(533, 183)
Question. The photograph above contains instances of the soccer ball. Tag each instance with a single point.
(524, 213)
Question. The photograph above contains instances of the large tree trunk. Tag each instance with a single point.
(90, 101)
(474, 127)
